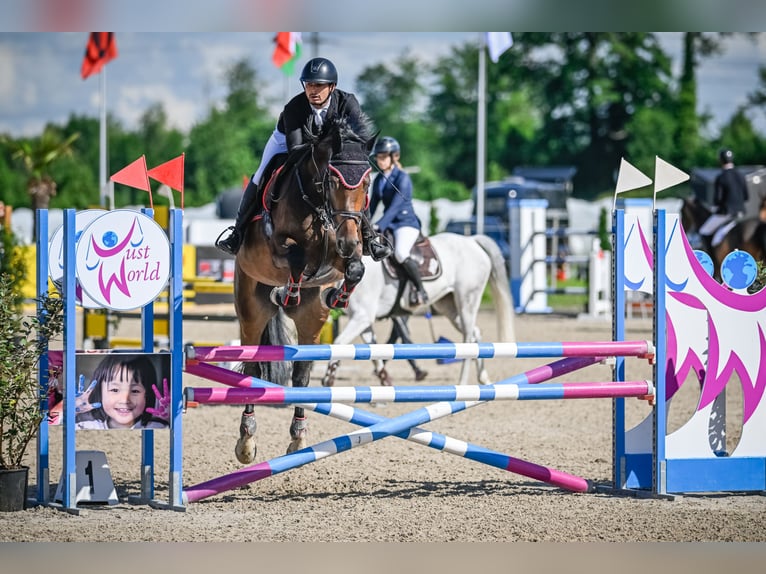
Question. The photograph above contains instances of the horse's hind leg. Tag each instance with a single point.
(401, 331)
(309, 318)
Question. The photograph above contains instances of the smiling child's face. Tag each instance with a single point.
(123, 399)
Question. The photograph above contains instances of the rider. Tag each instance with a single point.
(729, 194)
(394, 188)
(319, 101)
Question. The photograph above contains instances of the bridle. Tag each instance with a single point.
(324, 212)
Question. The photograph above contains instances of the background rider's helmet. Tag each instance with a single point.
(726, 156)
(386, 145)
(319, 71)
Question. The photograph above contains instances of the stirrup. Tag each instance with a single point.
(230, 244)
(378, 249)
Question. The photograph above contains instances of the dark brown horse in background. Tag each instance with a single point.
(749, 234)
(289, 267)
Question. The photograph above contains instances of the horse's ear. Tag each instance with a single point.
(371, 142)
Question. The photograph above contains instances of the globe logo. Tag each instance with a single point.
(704, 260)
(739, 270)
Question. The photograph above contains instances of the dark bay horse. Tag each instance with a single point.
(748, 234)
(290, 266)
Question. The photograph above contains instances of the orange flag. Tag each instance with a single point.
(135, 175)
(101, 49)
(171, 173)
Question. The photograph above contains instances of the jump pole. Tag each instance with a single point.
(503, 392)
(325, 449)
(406, 351)
(436, 440)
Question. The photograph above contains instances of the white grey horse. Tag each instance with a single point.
(468, 264)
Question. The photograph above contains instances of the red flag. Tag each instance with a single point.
(135, 175)
(171, 173)
(101, 49)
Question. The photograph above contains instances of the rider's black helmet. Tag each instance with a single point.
(386, 145)
(319, 71)
(726, 155)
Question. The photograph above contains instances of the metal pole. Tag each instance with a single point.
(480, 135)
(103, 189)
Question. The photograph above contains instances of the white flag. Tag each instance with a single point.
(497, 43)
(666, 175)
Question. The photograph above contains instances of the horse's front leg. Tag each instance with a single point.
(337, 297)
(309, 319)
(299, 427)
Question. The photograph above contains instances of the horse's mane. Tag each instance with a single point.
(349, 129)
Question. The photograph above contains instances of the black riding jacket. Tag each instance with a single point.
(297, 113)
(730, 192)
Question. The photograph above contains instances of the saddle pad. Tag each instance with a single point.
(423, 252)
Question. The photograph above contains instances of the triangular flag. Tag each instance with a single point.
(134, 175)
(629, 178)
(666, 175)
(171, 173)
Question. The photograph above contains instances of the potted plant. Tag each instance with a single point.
(23, 340)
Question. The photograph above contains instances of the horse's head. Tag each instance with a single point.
(693, 213)
(341, 161)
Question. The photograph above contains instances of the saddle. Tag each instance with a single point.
(422, 252)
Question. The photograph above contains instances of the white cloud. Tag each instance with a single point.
(7, 75)
(131, 102)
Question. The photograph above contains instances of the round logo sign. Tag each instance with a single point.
(56, 253)
(123, 260)
(704, 260)
(739, 270)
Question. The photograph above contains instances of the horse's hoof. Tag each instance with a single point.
(420, 374)
(297, 444)
(329, 378)
(246, 449)
(385, 378)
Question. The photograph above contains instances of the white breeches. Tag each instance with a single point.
(404, 239)
(277, 143)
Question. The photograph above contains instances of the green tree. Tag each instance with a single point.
(228, 144)
(393, 96)
(37, 156)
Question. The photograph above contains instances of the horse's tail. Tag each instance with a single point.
(501, 289)
(276, 333)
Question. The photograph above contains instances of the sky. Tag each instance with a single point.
(40, 72)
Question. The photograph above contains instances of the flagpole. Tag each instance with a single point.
(480, 135)
(102, 144)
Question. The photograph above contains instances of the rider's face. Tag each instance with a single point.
(317, 93)
(383, 160)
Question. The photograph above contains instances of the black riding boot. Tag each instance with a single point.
(418, 296)
(231, 243)
(373, 244)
